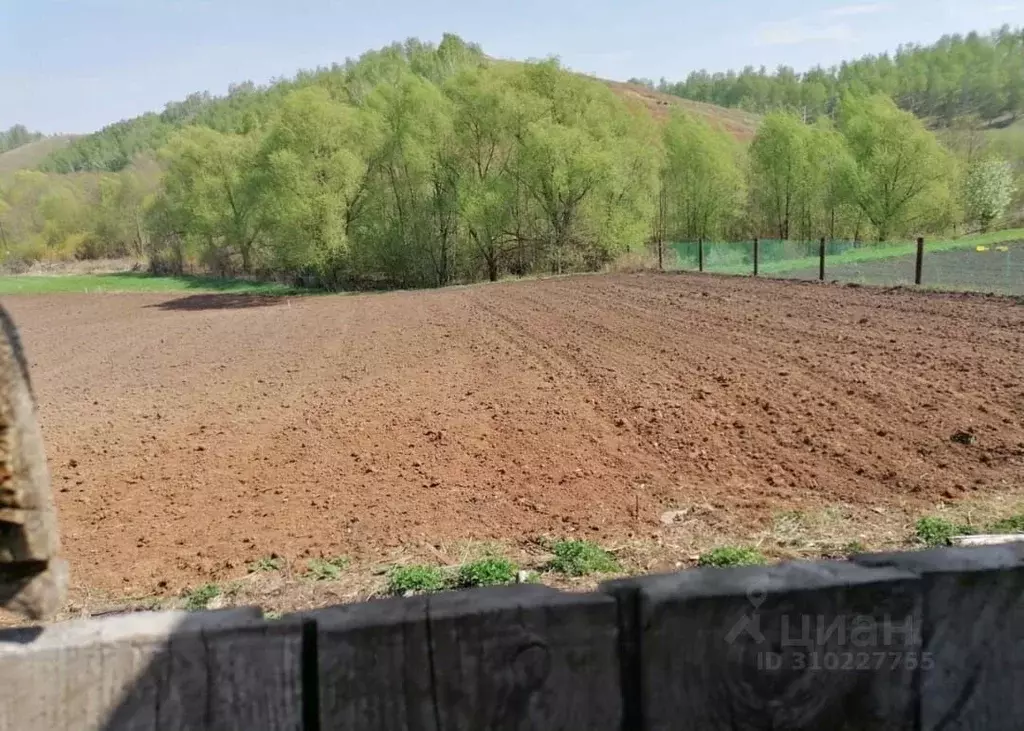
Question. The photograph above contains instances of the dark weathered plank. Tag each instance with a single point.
(973, 630)
(160, 671)
(826, 645)
(373, 661)
(525, 657)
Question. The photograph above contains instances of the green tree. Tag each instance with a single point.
(209, 197)
(307, 180)
(485, 148)
(831, 207)
(780, 171)
(17, 136)
(702, 184)
(589, 179)
(900, 165)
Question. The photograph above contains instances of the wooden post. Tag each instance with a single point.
(752, 643)
(493, 658)
(821, 259)
(755, 256)
(227, 669)
(972, 625)
(700, 254)
(920, 259)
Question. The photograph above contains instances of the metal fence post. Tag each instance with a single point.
(821, 259)
(920, 260)
(755, 256)
(700, 253)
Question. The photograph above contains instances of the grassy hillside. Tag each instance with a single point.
(32, 154)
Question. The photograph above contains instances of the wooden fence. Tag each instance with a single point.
(919, 640)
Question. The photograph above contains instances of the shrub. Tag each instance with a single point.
(197, 599)
(489, 571)
(934, 531)
(732, 556)
(579, 558)
(416, 578)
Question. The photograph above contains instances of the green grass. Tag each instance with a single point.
(734, 257)
(580, 558)
(490, 571)
(134, 282)
(326, 569)
(197, 599)
(416, 578)
(732, 556)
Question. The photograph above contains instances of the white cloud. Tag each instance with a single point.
(797, 32)
(845, 11)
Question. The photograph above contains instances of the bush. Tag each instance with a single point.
(486, 572)
(197, 599)
(938, 531)
(579, 558)
(416, 578)
(732, 556)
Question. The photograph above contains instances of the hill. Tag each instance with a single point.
(247, 106)
(739, 123)
(959, 75)
(32, 154)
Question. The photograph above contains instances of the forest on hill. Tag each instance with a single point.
(17, 136)
(426, 165)
(972, 75)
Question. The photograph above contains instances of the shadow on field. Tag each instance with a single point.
(219, 302)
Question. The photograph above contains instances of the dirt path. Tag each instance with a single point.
(191, 435)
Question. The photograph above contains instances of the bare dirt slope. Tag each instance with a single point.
(190, 434)
(740, 124)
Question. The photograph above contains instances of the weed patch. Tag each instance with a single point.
(732, 556)
(267, 563)
(197, 599)
(581, 558)
(933, 531)
(490, 571)
(415, 578)
(326, 569)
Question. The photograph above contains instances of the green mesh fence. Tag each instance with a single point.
(989, 263)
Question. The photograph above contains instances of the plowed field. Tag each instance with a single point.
(188, 435)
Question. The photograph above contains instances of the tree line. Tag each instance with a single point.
(960, 75)
(422, 165)
(16, 136)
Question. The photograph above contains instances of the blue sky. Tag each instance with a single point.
(75, 65)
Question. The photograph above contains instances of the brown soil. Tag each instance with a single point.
(191, 434)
